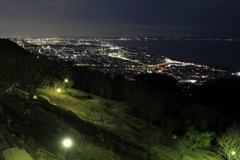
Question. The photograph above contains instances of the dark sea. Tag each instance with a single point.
(222, 53)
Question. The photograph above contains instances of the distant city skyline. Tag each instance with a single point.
(120, 18)
(110, 58)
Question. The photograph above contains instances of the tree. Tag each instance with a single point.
(199, 139)
(23, 69)
(229, 143)
(29, 72)
(192, 140)
(202, 117)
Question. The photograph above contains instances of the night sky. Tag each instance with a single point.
(128, 18)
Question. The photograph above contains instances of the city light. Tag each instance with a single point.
(192, 81)
(236, 74)
(110, 58)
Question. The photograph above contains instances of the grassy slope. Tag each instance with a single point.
(116, 121)
(92, 110)
(46, 132)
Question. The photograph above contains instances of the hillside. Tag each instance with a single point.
(99, 128)
(35, 117)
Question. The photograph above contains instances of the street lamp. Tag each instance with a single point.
(67, 143)
(233, 153)
(66, 80)
(58, 91)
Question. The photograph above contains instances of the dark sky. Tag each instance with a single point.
(207, 18)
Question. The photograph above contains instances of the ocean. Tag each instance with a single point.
(222, 53)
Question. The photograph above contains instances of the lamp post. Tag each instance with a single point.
(58, 91)
(66, 80)
(67, 143)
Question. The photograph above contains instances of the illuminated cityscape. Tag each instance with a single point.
(100, 54)
(119, 80)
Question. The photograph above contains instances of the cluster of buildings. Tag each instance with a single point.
(100, 54)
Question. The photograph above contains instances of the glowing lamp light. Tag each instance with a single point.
(233, 153)
(67, 143)
(58, 90)
(66, 80)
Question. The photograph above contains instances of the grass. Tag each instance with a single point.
(111, 116)
(100, 128)
(106, 114)
(43, 131)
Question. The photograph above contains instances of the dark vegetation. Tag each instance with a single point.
(197, 114)
(25, 70)
(161, 100)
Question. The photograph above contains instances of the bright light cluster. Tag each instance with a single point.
(67, 143)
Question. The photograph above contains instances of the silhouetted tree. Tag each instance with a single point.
(202, 117)
(27, 70)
